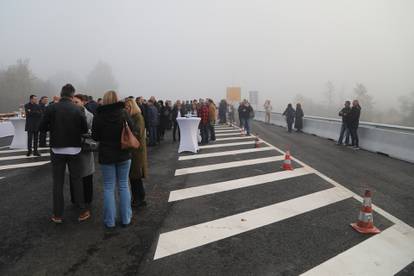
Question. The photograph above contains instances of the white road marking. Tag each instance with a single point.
(228, 134)
(23, 165)
(227, 130)
(20, 150)
(4, 147)
(227, 145)
(227, 165)
(221, 153)
(1, 177)
(180, 240)
(383, 254)
(234, 184)
(22, 157)
(235, 138)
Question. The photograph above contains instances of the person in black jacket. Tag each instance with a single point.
(354, 115)
(246, 114)
(344, 113)
(42, 134)
(290, 116)
(176, 112)
(115, 162)
(66, 123)
(33, 117)
(299, 118)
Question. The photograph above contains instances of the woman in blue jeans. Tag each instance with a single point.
(115, 162)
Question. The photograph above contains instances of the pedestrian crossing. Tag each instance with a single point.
(383, 254)
(15, 159)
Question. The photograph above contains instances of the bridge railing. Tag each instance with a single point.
(392, 140)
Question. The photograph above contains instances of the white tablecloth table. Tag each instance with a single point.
(20, 136)
(188, 134)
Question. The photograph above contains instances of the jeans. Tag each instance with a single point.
(59, 162)
(212, 132)
(247, 124)
(354, 136)
(111, 174)
(153, 135)
(344, 132)
(204, 133)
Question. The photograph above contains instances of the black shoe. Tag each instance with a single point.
(29, 153)
(36, 153)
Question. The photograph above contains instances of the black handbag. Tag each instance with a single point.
(88, 144)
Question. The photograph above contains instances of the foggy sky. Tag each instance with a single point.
(192, 48)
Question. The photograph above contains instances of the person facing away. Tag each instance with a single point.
(33, 118)
(153, 122)
(176, 112)
(66, 123)
(212, 113)
(139, 164)
(42, 134)
(86, 159)
(115, 162)
(246, 114)
(344, 113)
(290, 116)
(299, 118)
(268, 109)
(353, 124)
(222, 112)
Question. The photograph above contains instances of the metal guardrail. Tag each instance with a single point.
(392, 140)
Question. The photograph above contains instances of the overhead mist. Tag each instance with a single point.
(318, 52)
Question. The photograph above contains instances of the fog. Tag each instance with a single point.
(191, 48)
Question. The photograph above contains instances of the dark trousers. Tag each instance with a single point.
(42, 138)
(87, 183)
(344, 133)
(59, 163)
(137, 189)
(204, 133)
(289, 125)
(32, 140)
(152, 135)
(354, 135)
(212, 132)
(175, 128)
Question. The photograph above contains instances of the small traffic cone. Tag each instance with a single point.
(257, 141)
(365, 224)
(287, 163)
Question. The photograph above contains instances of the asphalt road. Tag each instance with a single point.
(163, 239)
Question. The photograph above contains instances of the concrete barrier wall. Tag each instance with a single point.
(395, 141)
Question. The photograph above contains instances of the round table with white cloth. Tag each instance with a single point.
(20, 135)
(188, 134)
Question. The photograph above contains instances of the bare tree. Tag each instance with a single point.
(329, 93)
(100, 79)
(365, 100)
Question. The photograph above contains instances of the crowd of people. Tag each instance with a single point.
(78, 126)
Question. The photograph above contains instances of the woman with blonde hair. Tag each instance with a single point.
(115, 162)
(139, 169)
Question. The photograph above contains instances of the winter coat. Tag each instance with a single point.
(87, 159)
(354, 115)
(139, 163)
(66, 123)
(299, 118)
(153, 116)
(246, 112)
(175, 113)
(107, 128)
(290, 114)
(33, 117)
(212, 113)
(344, 113)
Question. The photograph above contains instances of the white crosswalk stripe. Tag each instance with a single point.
(384, 254)
(20, 150)
(6, 158)
(23, 165)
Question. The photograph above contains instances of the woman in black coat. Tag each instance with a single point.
(290, 116)
(299, 118)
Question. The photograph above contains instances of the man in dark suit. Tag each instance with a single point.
(33, 118)
(42, 134)
(66, 123)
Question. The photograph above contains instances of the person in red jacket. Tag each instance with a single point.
(205, 122)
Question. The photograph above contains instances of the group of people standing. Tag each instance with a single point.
(294, 116)
(74, 134)
(350, 122)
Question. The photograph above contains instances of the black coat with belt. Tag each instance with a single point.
(66, 123)
(33, 117)
(107, 128)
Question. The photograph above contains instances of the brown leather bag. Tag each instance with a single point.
(128, 139)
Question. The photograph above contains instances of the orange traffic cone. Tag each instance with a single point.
(287, 163)
(365, 222)
(257, 141)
